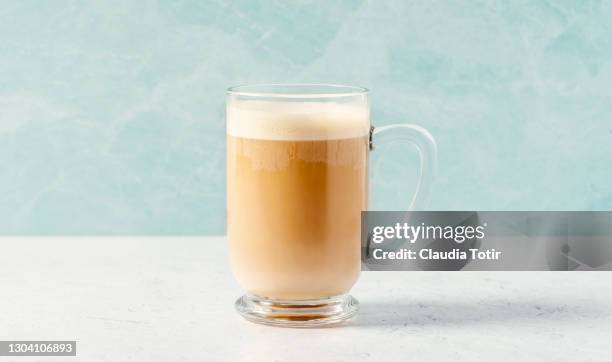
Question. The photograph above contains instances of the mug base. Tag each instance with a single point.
(310, 313)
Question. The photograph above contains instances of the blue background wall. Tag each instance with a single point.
(111, 112)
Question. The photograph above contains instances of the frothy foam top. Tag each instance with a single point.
(296, 121)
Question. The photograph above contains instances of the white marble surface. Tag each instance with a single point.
(171, 299)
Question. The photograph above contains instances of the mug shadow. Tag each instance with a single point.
(420, 313)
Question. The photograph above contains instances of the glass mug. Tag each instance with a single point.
(297, 181)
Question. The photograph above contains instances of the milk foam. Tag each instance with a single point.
(296, 121)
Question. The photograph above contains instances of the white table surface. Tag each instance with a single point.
(171, 299)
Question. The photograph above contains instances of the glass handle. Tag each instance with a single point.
(426, 147)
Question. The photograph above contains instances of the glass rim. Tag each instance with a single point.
(297, 90)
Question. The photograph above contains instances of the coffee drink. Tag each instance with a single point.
(297, 169)
(296, 186)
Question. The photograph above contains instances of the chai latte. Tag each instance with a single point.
(296, 186)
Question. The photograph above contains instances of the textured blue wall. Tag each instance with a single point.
(111, 112)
